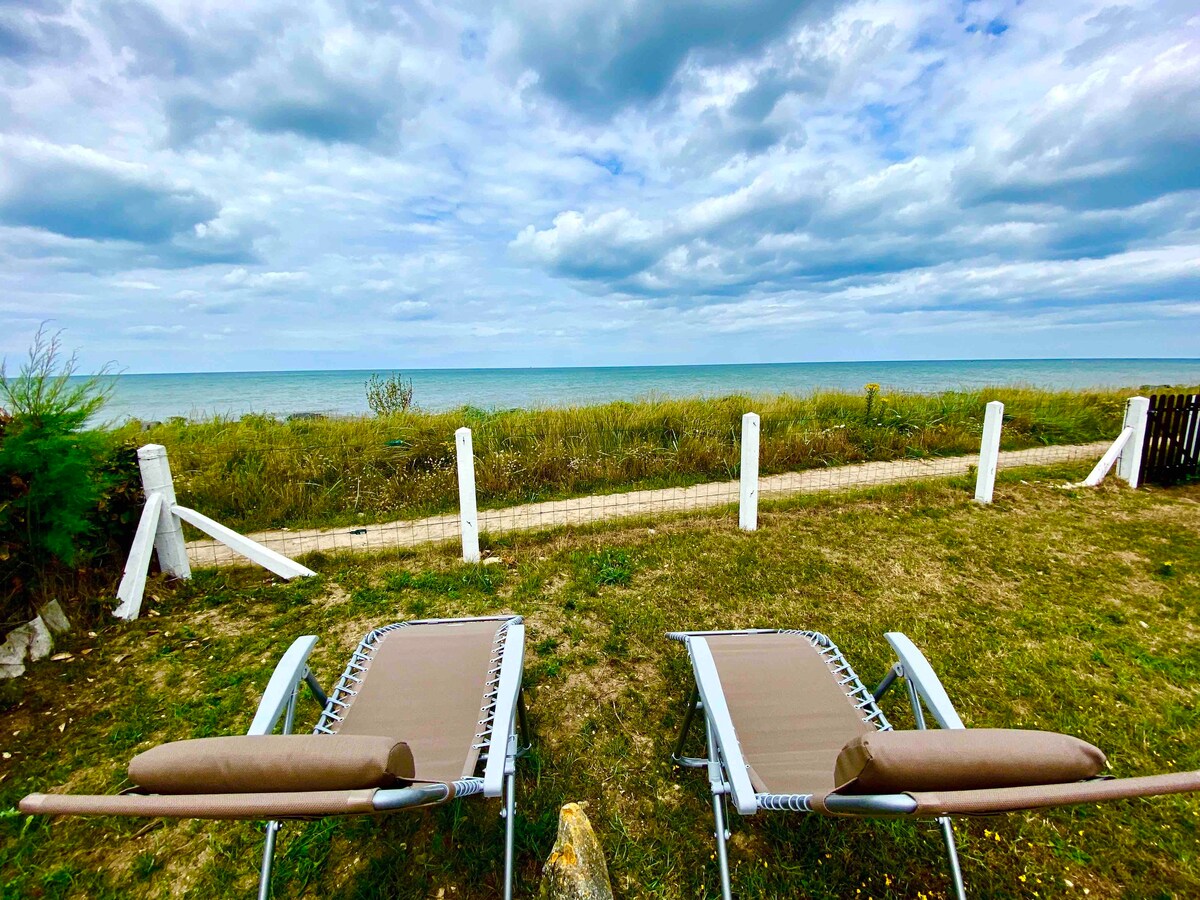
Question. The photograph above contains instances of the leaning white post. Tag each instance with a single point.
(133, 581)
(468, 515)
(989, 451)
(748, 506)
(1129, 466)
(168, 540)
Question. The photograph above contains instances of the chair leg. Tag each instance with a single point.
(722, 853)
(264, 878)
(952, 853)
(947, 829)
(693, 700)
(510, 811)
(526, 735)
(716, 780)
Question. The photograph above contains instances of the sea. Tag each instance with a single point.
(342, 393)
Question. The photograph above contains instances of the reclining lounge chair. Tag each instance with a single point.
(425, 712)
(791, 728)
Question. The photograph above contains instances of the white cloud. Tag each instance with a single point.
(595, 182)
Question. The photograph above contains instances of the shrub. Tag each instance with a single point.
(60, 482)
(389, 394)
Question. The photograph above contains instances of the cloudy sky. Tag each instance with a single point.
(192, 186)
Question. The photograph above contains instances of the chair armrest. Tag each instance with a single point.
(507, 690)
(289, 672)
(921, 676)
(713, 697)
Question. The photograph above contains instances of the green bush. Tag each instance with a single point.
(388, 395)
(68, 493)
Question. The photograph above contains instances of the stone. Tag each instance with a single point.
(54, 617)
(14, 651)
(11, 671)
(41, 642)
(576, 869)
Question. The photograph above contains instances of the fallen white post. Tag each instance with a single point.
(468, 514)
(168, 540)
(1129, 467)
(989, 451)
(1107, 460)
(252, 550)
(133, 582)
(748, 503)
(161, 525)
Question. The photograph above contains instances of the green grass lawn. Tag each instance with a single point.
(1067, 610)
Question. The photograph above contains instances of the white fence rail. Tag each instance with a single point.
(161, 525)
(1126, 451)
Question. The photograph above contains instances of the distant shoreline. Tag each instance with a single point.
(366, 372)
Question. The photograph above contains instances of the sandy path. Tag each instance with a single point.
(581, 510)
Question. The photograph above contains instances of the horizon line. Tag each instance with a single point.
(380, 370)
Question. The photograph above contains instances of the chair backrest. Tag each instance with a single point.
(791, 715)
(427, 684)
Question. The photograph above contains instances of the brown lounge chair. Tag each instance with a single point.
(425, 712)
(791, 728)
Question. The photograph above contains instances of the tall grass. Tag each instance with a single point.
(260, 472)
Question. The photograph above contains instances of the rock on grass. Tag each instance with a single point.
(576, 869)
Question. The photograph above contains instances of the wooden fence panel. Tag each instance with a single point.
(1171, 453)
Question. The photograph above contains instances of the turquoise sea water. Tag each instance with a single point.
(151, 397)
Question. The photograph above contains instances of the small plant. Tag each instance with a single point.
(602, 569)
(389, 394)
(872, 390)
(43, 390)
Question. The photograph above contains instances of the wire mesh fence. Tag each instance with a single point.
(895, 471)
(401, 491)
(549, 478)
(374, 494)
(355, 494)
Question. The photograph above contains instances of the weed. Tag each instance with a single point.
(597, 569)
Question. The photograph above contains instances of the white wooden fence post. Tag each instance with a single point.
(468, 515)
(989, 451)
(748, 505)
(1129, 466)
(168, 540)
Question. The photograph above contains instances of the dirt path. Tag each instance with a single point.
(595, 508)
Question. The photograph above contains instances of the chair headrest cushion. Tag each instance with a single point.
(892, 762)
(270, 763)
